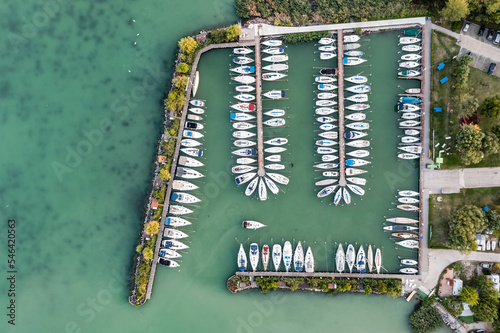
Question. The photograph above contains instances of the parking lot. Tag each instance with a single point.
(481, 61)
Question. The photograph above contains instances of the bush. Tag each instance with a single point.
(425, 319)
(464, 224)
(188, 45)
(148, 254)
(453, 305)
(139, 248)
(491, 106)
(160, 194)
(293, 283)
(305, 37)
(368, 290)
(266, 284)
(152, 228)
(182, 68)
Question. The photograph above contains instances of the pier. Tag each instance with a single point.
(329, 275)
(258, 94)
(340, 80)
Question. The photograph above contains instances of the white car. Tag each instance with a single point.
(466, 26)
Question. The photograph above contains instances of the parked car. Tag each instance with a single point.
(490, 35)
(486, 265)
(478, 331)
(496, 40)
(492, 68)
(466, 26)
(481, 31)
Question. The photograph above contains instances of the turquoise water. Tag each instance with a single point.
(81, 115)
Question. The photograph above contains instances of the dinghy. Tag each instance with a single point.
(326, 87)
(402, 220)
(287, 255)
(244, 97)
(275, 113)
(272, 42)
(325, 182)
(408, 156)
(357, 79)
(408, 200)
(356, 116)
(411, 56)
(276, 122)
(358, 107)
(408, 193)
(352, 46)
(242, 60)
(359, 88)
(325, 79)
(265, 256)
(378, 260)
(353, 53)
(326, 191)
(356, 180)
(242, 259)
(354, 172)
(325, 120)
(245, 88)
(195, 152)
(408, 243)
(408, 40)
(274, 50)
(359, 153)
(274, 150)
(197, 102)
(278, 178)
(182, 185)
(185, 198)
(276, 256)
(327, 55)
(329, 135)
(245, 152)
(272, 76)
(276, 58)
(242, 51)
(409, 73)
(275, 67)
(169, 254)
(326, 95)
(174, 221)
(277, 141)
(409, 123)
(409, 270)
(324, 111)
(309, 261)
(411, 48)
(369, 258)
(173, 244)
(351, 38)
(353, 61)
(242, 168)
(409, 64)
(346, 196)
(340, 259)
(361, 260)
(244, 178)
(337, 197)
(244, 107)
(243, 70)
(243, 134)
(298, 258)
(253, 225)
(356, 189)
(243, 125)
(251, 187)
(197, 110)
(325, 102)
(275, 94)
(254, 256)
(358, 98)
(174, 233)
(408, 208)
(326, 41)
(350, 257)
(358, 143)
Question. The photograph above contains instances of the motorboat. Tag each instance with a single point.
(324, 111)
(413, 91)
(357, 79)
(409, 139)
(355, 162)
(243, 134)
(265, 256)
(326, 191)
(275, 166)
(359, 88)
(325, 120)
(273, 158)
(185, 198)
(358, 107)
(326, 166)
(378, 260)
(197, 102)
(325, 79)
(277, 141)
(174, 233)
(275, 67)
(193, 126)
(189, 162)
(168, 262)
(404, 235)
(353, 53)
(411, 150)
(273, 76)
(254, 256)
(325, 150)
(357, 180)
(409, 73)
(409, 123)
(351, 38)
(346, 196)
(361, 260)
(411, 48)
(262, 190)
(245, 88)
(242, 259)
(356, 116)
(408, 200)
(194, 117)
(246, 160)
(369, 258)
(276, 58)
(356, 189)
(243, 69)
(326, 87)
(245, 152)
(298, 258)
(409, 270)
(182, 185)
(408, 107)
(168, 254)
(197, 110)
(409, 64)
(412, 132)
(253, 225)
(409, 262)
(244, 107)
(326, 95)
(329, 135)
(406, 156)
(188, 173)
(195, 152)
(350, 257)
(402, 220)
(330, 173)
(408, 208)
(340, 259)
(276, 122)
(242, 51)
(411, 56)
(274, 150)
(326, 41)
(242, 168)
(352, 61)
(271, 185)
(410, 115)
(325, 182)
(325, 102)
(351, 46)
(275, 113)
(358, 98)
(242, 60)
(276, 256)
(240, 116)
(272, 42)
(173, 244)
(175, 221)
(242, 125)
(400, 228)
(275, 94)
(359, 152)
(409, 100)
(358, 143)
(244, 97)
(337, 197)
(408, 193)
(278, 178)
(354, 171)
(409, 40)
(327, 127)
(327, 55)
(179, 210)
(244, 178)
(309, 261)
(252, 186)
(326, 143)
(244, 143)
(287, 255)
(274, 50)
(329, 158)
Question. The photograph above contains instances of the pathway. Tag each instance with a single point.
(330, 275)
(449, 320)
(258, 92)
(454, 180)
(340, 79)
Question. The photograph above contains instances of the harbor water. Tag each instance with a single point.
(82, 87)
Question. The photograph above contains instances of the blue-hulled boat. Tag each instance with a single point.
(409, 100)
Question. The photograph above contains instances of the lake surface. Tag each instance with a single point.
(81, 112)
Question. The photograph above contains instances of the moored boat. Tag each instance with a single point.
(271, 185)
(275, 67)
(195, 152)
(351, 46)
(244, 143)
(369, 258)
(276, 256)
(356, 116)
(272, 42)
(358, 98)
(357, 79)
(184, 198)
(242, 259)
(358, 107)
(337, 197)
(175, 221)
(197, 102)
(251, 187)
(324, 111)
(351, 38)
(242, 60)
(245, 88)
(411, 48)
(254, 256)
(189, 162)
(274, 50)
(242, 168)
(274, 150)
(168, 262)
(350, 257)
(356, 180)
(378, 260)
(188, 173)
(409, 270)
(408, 208)
(359, 152)
(354, 135)
(358, 143)
(399, 228)
(182, 185)
(409, 262)
(277, 141)
(353, 53)
(243, 134)
(245, 152)
(173, 244)
(327, 48)
(287, 255)
(276, 58)
(240, 116)
(356, 162)
(326, 191)
(346, 196)
(409, 73)
(406, 156)
(402, 220)
(275, 94)
(340, 259)
(326, 41)
(265, 256)
(325, 79)
(326, 87)
(353, 61)
(174, 233)
(329, 135)
(411, 56)
(278, 178)
(412, 132)
(409, 243)
(356, 189)
(408, 40)
(275, 166)
(404, 235)
(298, 258)
(168, 253)
(242, 125)
(276, 122)
(354, 171)
(325, 182)
(359, 89)
(361, 260)
(327, 55)
(262, 190)
(275, 113)
(242, 50)
(408, 200)
(244, 178)
(244, 97)
(309, 261)
(272, 76)
(325, 102)
(409, 123)
(325, 150)
(243, 70)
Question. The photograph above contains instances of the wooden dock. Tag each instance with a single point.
(258, 91)
(340, 79)
(329, 275)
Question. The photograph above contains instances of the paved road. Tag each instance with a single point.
(454, 180)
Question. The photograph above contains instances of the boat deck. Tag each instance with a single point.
(258, 90)
(340, 79)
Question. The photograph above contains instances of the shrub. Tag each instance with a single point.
(139, 248)
(152, 228)
(188, 45)
(182, 68)
(425, 319)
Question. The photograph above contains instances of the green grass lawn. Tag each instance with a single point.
(440, 212)
(445, 124)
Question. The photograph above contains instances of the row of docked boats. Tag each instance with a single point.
(183, 184)
(409, 107)
(363, 262)
(244, 119)
(410, 62)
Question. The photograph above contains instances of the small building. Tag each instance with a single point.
(446, 283)
(154, 204)
(481, 242)
(162, 159)
(496, 280)
(457, 286)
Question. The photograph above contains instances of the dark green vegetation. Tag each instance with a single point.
(480, 11)
(478, 146)
(486, 308)
(440, 212)
(304, 37)
(425, 319)
(301, 12)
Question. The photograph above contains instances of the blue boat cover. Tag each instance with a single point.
(440, 66)
(174, 196)
(232, 115)
(345, 61)
(443, 80)
(436, 109)
(409, 99)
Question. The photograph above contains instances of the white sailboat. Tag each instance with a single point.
(275, 67)
(175, 221)
(408, 40)
(174, 233)
(243, 134)
(340, 259)
(195, 152)
(402, 220)
(409, 64)
(242, 259)
(272, 42)
(325, 182)
(337, 197)
(245, 97)
(408, 200)
(326, 95)
(411, 56)
(327, 48)
(326, 191)
(361, 260)
(244, 178)
(325, 120)
(357, 79)
(251, 187)
(275, 113)
(326, 41)
(252, 225)
(173, 244)
(276, 58)
(272, 76)
(369, 258)
(358, 107)
(277, 141)
(273, 50)
(309, 261)
(169, 254)
(356, 116)
(409, 270)
(326, 87)
(408, 243)
(271, 185)
(325, 102)
(190, 143)
(356, 189)
(254, 256)
(329, 135)
(359, 89)
(274, 94)
(265, 256)
(354, 171)
(182, 185)
(185, 198)
(378, 260)
(325, 150)
(346, 196)
(358, 98)
(244, 143)
(276, 122)
(298, 258)
(275, 166)
(262, 190)
(278, 178)
(409, 139)
(287, 255)
(245, 88)
(242, 168)
(197, 110)
(274, 150)
(189, 162)
(273, 158)
(242, 50)
(327, 127)
(411, 48)
(246, 160)
(327, 55)
(358, 143)
(276, 256)
(242, 125)
(351, 38)
(350, 257)
(324, 79)
(192, 134)
(360, 153)
(357, 180)
(324, 111)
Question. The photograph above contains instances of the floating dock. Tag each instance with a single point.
(330, 275)
(258, 92)
(340, 80)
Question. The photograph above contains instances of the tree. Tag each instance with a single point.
(152, 228)
(425, 319)
(493, 220)
(233, 33)
(180, 82)
(165, 174)
(496, 130)
(455, 10)
(175, 101)
(486, 309)
(469, 143)
(464, 224)
(182, 68)
(368, 290)
(491, 106)
(490, 144)
(148, 254)
(382, 287)
(453, 305)
(469, 295)
(139, 248)
(188, 45)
